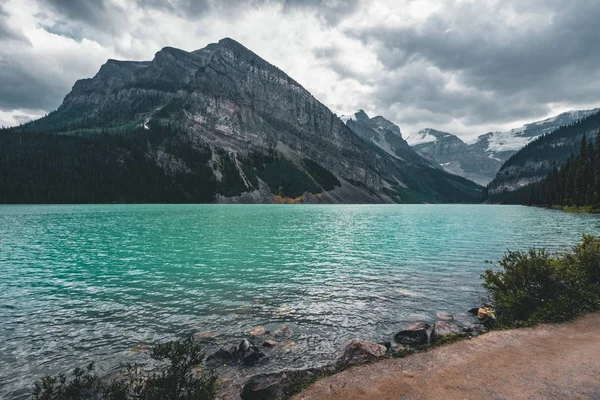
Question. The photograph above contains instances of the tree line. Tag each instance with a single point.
(575, 184)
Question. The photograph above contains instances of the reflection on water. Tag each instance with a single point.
(93, 282)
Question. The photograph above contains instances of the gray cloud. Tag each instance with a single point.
(482, 63)
(8, 32)
(24, 86)
(508, 70)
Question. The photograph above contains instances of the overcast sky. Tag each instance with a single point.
(464, 66)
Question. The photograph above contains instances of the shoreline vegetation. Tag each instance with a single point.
(525, 288)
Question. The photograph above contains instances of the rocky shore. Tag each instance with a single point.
(236, 363)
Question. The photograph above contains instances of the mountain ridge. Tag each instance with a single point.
(241, 126)
(481, 159)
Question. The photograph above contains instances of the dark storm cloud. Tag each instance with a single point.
(508, 69)
(93, 12)
(24, 85)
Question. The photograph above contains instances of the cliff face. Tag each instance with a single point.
(262, 129)
(385, 135)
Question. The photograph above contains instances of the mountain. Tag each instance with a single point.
(219, 124)
(454, 155)
(482, 159)
(536, 160)
(385, 135)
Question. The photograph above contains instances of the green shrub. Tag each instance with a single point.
(536, 286)
(178, 378)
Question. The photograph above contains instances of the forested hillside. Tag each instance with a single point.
(575, 184)
(536, 160)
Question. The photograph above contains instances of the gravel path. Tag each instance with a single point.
(546, 362)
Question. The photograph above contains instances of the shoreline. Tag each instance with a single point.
(417, 337)
(554, 361)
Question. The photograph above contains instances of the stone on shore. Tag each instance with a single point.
(357, 351)
(248, 353)
(281, 385)
(415, 335)
(399, 350)
(486, 314)
(257, 331)
(443, 329)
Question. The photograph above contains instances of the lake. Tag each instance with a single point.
(91, 282)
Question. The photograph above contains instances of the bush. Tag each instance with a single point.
(178, 378)
(536, 286)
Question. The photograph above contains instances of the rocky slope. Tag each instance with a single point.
(535, 161)
(218, 123)
(384, 134)
(482, 159)
(454, 155)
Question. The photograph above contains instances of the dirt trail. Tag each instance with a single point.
(547, 362)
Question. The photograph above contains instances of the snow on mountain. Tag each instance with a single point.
(423, 136)
(517, 138)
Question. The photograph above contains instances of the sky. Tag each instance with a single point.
(461, 66)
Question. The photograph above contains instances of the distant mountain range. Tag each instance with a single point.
(536, 160)
(219, 124)
(480, 160)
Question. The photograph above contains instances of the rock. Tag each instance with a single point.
(221, 356)
(399, 350)
(444, 329)
(386, 344)
(415, 335)
(204, 337)
(248, 354)
(257, 331)
(269, 343)
(474, 310)
(474, 329)
(282, 331)
(485, 313)
(445, 316)
(281, 385)
(419, 325)
(357, 351)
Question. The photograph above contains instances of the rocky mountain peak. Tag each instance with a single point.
(247, 129)
(361, 115)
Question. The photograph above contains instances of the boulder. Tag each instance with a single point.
(248, 354)
(444, 329)
(221, 356)
(282, 331)
(281, 385)
(257, 331)
(399, 350)
(357, 351)
(415, 335)
(269, 343)
(387, 344)
(486, 313)
(445, 316)
(474, 329)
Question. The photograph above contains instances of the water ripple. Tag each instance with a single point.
(81, 283)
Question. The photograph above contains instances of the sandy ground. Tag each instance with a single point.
(546, 362)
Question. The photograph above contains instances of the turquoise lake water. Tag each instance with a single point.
(91, 282)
